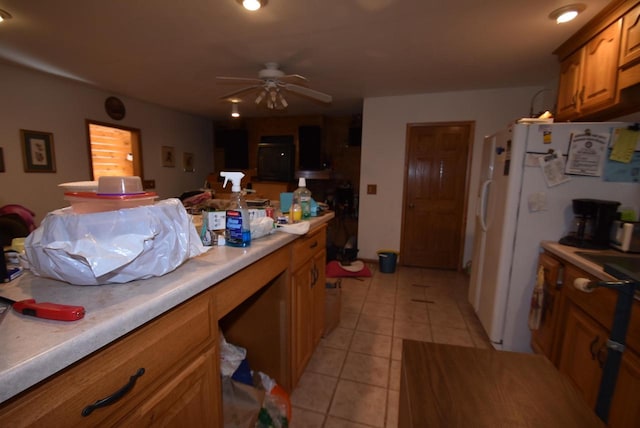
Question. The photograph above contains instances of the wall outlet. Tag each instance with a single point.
(148, 184)
(372, 189)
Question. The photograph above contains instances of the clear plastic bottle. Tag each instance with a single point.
(304, 197)
(238, 224)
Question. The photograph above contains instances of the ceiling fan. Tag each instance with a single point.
(270, 85)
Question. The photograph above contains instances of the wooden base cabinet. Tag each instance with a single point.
(543, 340)
(583, 334)
(308, 288)
(169, 365)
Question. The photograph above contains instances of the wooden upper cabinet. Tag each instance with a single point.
(599, 70)
(569, 87)
(588, 77)
(630, 39)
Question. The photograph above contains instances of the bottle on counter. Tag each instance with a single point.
(238, 223)
(304, 197)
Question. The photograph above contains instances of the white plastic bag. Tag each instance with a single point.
(113, 246)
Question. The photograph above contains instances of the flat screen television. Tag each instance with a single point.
(276, 160)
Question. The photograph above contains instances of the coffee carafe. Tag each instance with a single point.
(592, 223)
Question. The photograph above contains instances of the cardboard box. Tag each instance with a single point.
(332, 306)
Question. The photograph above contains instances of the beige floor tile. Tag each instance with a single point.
(333, 422)
(375, 324)
(393, 406)
(452, 336)
(376, 295)
(367, 369)
(353, 378)
(451, 317)
(412, 330)
(352, 303)
(301, 418)
(372, 344)
(384, 310)
(339, 338)
(327, 361)
(361, 403)
(348, 319)
(314, 392)
(394, 375)
(412, 311)
(396, 348)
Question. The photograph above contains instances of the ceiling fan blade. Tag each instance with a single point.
(236, 94)
(294, 77)
(310, 93)
(243, 80)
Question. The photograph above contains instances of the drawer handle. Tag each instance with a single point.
(107, 401)
(314, 245)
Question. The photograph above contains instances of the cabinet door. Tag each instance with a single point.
(569, 87)
(318, 289)
(600, 69)
(581, 356)
(302, 328)
(624, 411)
(542, 339)
(630, 39)
(187, 400)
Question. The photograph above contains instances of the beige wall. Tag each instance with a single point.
(40, 102)
(383, 151)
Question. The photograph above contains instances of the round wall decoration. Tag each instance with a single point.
(115, 108)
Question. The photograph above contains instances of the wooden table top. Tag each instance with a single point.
(455, 386)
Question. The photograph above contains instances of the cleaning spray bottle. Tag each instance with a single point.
(238, 225)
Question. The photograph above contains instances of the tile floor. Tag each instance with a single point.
(353, 378)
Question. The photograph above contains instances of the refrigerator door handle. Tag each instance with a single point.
(483, 204)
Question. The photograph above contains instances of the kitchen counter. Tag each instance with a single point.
(570, 254)
(34, 349)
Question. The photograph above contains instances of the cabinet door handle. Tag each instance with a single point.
(602, 355)
(107, 401)
(314, 245)
(594, 342)
(582, 94)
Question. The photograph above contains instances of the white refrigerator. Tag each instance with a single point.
(519, 206)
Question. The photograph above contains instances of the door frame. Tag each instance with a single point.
(463, 226)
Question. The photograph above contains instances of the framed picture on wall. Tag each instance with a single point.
(1, 160)
(168, 156)
(38, 152)
(187, 162)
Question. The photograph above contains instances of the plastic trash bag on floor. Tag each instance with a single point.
(113, 246)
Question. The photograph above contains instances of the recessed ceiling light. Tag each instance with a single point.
(567, 13)
(252, 4)
(4, 15)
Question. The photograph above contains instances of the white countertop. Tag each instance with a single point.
(33, 349)
(569, 254)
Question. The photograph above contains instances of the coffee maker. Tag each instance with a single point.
(592, 223)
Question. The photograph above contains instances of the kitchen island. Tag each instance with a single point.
(226, 286)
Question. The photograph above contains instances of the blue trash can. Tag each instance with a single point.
(387, 260)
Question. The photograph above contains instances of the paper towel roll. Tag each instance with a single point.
(584, 284)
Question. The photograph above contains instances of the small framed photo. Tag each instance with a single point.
(1, 160)
(187, 162)
(168, 156)
(37, 151)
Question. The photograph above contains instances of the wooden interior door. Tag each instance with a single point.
(435, 194)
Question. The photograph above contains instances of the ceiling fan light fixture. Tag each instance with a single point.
(567, 13)
(252, 5)
(4, 15)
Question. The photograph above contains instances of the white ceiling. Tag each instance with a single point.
(169, 52)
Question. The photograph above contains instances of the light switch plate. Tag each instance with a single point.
(372, 189)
